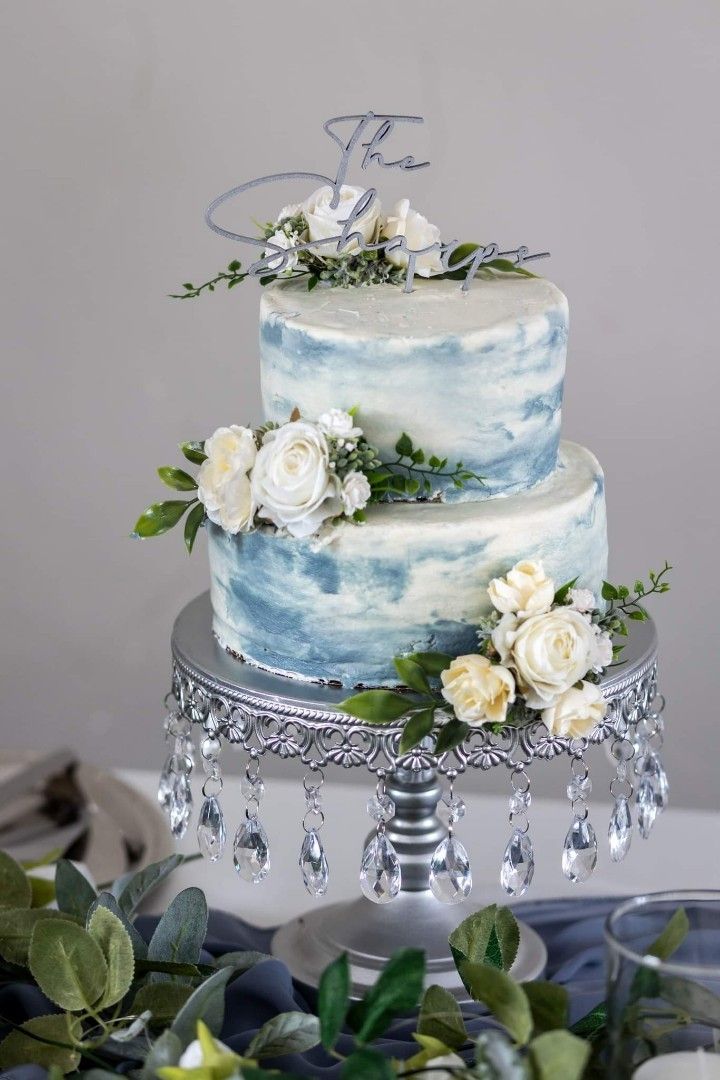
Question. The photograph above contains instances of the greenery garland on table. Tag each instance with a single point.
(156, 1011)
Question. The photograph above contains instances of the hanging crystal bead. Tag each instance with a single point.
(314, 864)
(620, 829)
(579, 851)
(579, 788)
(518, 865)
(451, 808)
(252, 787)
(251, 851)
(647, 807)
(520, 801)
(166, 784)
(381, 808)
(450, 873)
(380, 876)
(211, 832)
(180, 805)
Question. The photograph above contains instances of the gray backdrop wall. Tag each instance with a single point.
(587, 127)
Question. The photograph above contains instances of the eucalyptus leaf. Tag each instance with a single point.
(333, 999)
(135, 888)
(441, 1018)
(497, 1059)
(377, 706)
(194, 451)
(286, 1033)
(505, 998)
(366, 1064)
(15, 889)
(75, 894)
(176, 478)
(107, 900)
(548, 1004)
(112, 937)
(559, 1055)
(67, 964)
(166, 1050)
(206, 1003)
(451, 735)
(163, 1000)
(160, 517)
(396, 991)
(432, 663)
(412, 674)
(180, 934)
(24, 1046)
(418, 727)
(192, 523)
(16, 930)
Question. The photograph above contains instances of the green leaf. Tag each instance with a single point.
(638, 615)
(164, 1000)
(562, 593)
(377, 706)
(176, 478)
(15, 889)
(107, 900)
(43, 891)
(548, 1004)
(462, 251)
(132, 891)
(286, 1033)
(672, 936)
(67, 964)
(114, 941)
(242, 960)
(396, 991)
(432, 663)
(160, 517)
(609, 592)
(418, 727)
(333, 1000)
(206, 1003)
(166, 1050)
(47, 859)
(194, 451)
(16, 930)
(693, 998)
(504, 939)
(497, 1059)
(312, 282)
(418, 457)
(75, 894)
(234, 266)
(412, 674)
(559, 1055)
(441, 1018)
(505, 998)
(592, 1025)
(180, 934)
(404, 446)
(19, 1048)
(367, 1064)
(451, 735)
(469, 940)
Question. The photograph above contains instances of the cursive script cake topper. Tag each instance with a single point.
(368, 137)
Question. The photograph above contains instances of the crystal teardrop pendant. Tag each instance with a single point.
(647, 807)
(167, 781)
(180, 805)
(211, 832)
(620, 829)
(579, 851)
(518, 865)
(450, 873)
(314, 864)
(251, 852)
(380, 876)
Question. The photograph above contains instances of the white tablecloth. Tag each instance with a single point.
(681, 853)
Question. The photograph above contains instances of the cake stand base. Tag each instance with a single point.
(370, 933)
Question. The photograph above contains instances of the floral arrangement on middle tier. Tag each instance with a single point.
(296, 477)
(541, 654)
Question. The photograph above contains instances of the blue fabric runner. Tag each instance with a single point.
(571, 929)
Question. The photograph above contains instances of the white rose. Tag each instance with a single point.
(292, 483)
(324, 221)
(237, 509)
(281, 240)
(525, 590)
(290, 211)
(355, 492)
(581, 600)
(339, 424)
(439, 1068)
(478, 690)
(602, 651)
(418, 233)
(548, 652)
(576, 712)
(223, 486)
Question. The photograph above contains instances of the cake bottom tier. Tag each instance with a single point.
(413, 578)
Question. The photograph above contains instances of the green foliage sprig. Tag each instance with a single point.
(412, 473)
(625, 603)
(160, 517)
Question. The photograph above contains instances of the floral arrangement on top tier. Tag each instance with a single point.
(298, 477)
(541, 655)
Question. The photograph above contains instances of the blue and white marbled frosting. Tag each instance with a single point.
(475, 377)
(413, 578)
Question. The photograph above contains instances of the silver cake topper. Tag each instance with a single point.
(377, 129)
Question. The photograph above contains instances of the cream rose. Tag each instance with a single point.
(478, 690)
(525, 590)
(339, 424)
(325, 221)
(581, 600)
(355, 492)
(603, 649)
(418, 233)
(548, 652)
(292, 483)
(223, 484)
(282, 263)
(576, 712)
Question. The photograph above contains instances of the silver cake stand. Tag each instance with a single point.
(268, 713)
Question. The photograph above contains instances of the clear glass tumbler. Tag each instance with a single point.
(664, 987)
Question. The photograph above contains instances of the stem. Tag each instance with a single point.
(78, 1049)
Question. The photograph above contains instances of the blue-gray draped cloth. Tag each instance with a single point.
(571, 929)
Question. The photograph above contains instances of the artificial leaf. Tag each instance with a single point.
(160, 517)
(418, 726)
(404, 446)
(412, 674)
(508, 936)
(206, 1003)
(592, 1025)
(112, 937)
(377, 706)
(43, 891)
(163, 1000)
(462, 251)
(166, 1050)
(136, 887)
(366, 1064)
(286, 1033)
(559, 1055)
(176, 478)
(609, 592)
(561, 594)
(671, 937)
(396, 991)
(180, 934)
(21, 1048)
(477, 938)
(691, 997)
(75, 894)
(430, 1048)
(67, 964)
(451, 735)
(242, 960)
(15, 889)
(333, 998)
(505, 998)
(548, 1004)
(441, 1018)
(16, 930)
(192, 523)
(432, 663)
(107, 900)
(194, 451)
(496, 1058)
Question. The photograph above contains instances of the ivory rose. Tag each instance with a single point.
(325, 221)
(292, 484)
(223, 484)
(478, 690)
(525, 590)
(355, 492)
(576, 712)
(548, 652)
(284, 264)
(418, 233)
(339, 424)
